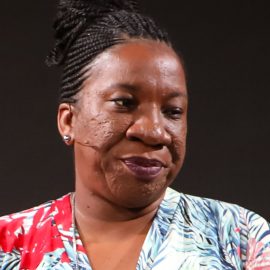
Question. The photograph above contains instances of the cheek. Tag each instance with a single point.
(100, 131)
(178, 151)
(178, 146)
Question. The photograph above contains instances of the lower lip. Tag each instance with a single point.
(144, 173)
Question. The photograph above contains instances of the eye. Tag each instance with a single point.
(124, 103)
(173, 112)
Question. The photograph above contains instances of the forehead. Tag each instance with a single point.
(141, 62)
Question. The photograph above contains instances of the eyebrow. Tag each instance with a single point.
(133, 88)
(176, 94)
(126, 86)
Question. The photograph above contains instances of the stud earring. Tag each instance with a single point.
(66, 138)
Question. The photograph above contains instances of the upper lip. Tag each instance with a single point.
(144, 161)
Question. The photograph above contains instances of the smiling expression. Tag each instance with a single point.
(129, 125)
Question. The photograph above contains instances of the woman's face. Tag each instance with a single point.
(129, 124)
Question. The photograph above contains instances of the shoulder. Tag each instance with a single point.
(15, 227)
(219, 211)
(240, 232)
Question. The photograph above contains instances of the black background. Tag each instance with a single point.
(226, 48)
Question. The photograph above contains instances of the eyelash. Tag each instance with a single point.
(129, 103)
(173, 113)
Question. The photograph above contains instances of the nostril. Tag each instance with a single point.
(151, 141)
(157, 146)
(148, 132)
(134, 139)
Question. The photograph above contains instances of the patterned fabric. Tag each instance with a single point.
(187, 233)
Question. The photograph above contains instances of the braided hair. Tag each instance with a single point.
(85, 28)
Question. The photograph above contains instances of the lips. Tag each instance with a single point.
(143, 168)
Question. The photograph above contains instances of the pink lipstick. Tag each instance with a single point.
(143, 168)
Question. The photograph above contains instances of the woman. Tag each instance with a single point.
(123, 107)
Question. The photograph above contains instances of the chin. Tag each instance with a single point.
(142, 197)
(132, 191)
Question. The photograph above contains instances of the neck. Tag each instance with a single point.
(98, 219)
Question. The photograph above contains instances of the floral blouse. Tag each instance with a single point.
(188, 232)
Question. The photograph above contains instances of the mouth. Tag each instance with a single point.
(143, 168)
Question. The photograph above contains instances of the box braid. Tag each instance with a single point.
(85, 28)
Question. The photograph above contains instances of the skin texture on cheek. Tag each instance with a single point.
(99, 131)
(178, 148)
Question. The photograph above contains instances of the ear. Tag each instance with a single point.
(65, 118)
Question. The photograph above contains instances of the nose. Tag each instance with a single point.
(149, 128)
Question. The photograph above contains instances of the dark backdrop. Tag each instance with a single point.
(227, 53)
